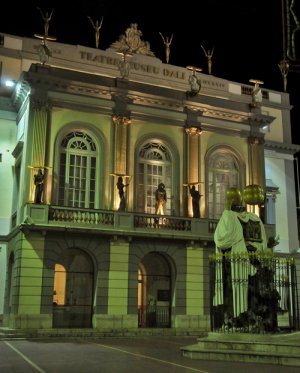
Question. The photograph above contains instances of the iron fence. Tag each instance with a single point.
(253, 293)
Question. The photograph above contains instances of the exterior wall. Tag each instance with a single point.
(115, 272)
(297, 263)
(276, 131)
(197, 292)
(3, 266)
(117, 316)
(280, 170)
(26, 283)
(7, 144)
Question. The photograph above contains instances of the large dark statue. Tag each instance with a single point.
(121, 186)
(245, 292)
(195, 201)
(39, 186)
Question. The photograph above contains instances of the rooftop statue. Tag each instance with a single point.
(46, 18)
(44, 51)
(131, 42)
(167, 42)
(97, 26)
(208, 54)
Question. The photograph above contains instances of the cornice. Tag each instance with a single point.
(140, 94)
(283, 147)
(20, 94)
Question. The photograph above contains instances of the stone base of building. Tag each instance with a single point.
(25, 321)
(114, 322)
(192, 322)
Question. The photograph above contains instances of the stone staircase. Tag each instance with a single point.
(279, 349)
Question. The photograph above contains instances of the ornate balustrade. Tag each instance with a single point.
(81, 216)
(162, 222)
(117, 222)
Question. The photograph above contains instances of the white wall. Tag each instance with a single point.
(3, 270)
(7, 145)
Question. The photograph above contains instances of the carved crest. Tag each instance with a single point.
(131, 42)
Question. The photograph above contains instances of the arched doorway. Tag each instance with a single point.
(154, 292)
(73, 290)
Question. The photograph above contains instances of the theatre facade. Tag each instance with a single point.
(79, 252)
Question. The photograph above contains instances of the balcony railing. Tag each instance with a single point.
(80, 216)
(115, 222)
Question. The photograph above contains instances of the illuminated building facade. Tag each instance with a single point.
(74, 256)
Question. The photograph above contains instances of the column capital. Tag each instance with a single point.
(255, 140)
(119, 119)
(40, 104)
(196, 131)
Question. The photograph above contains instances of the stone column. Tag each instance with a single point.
(121, 128)
(256, 161)
(193, 160)
(117, 316)
(120, 164)
(37, 129)
(257, 168)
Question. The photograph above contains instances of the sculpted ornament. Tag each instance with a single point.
(131, 42)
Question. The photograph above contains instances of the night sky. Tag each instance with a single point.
(247, 36)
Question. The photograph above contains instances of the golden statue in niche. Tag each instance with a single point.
(161, 199)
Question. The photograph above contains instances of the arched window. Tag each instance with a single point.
(224, 171)
(77, 173)
(154, 167)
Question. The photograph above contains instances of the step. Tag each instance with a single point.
(255, 346)
(280, 349)
(240, 356)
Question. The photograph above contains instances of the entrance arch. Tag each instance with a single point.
(154, 291)
(73, 290)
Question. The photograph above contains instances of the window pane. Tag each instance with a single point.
(72, 160)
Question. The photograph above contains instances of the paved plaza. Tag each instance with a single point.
(113, 355)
